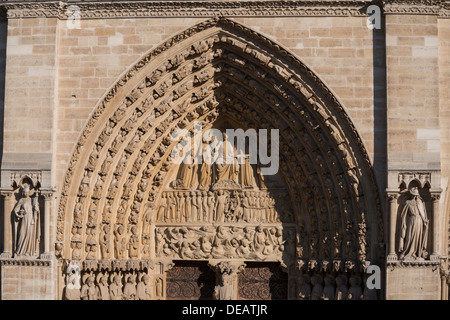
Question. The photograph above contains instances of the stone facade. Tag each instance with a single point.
(91, 93)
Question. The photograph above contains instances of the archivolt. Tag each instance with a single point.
(220, 67)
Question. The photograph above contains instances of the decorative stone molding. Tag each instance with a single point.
(445, 10)
(112, 265)
(406, 178)
(25, 262)
(34, 176)
(434, 264)
(308, 265)
(229, 267)
(140, 9)
(428, 7)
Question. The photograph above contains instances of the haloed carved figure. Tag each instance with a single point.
(414, 227)
(26, 213)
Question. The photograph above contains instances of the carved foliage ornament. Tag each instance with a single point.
(135, 9)
(131, 9)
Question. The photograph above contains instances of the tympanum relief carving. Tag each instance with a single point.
(127, 201)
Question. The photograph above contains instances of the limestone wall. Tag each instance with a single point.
(55, 75)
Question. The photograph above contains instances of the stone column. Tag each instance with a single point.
(158, 276)
(8, 197)
(393, 208)
(226, 278)
(435, 229)
(48, 196)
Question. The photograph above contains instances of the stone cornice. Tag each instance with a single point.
(228, 8)
(434, 264)
(426, 7)
(445, 10)
(25, 262)
(196, 8)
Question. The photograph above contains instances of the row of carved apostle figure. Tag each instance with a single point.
(317, 287)
(110, 287)
(218, 206)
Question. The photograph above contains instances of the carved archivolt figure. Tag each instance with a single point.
(27, 227)
(414, 227)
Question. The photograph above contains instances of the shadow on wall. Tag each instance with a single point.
(380, 104)
(3, 36)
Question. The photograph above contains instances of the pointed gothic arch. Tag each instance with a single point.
(120, 165)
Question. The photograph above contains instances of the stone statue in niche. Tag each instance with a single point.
(413, 227)
(27, 224)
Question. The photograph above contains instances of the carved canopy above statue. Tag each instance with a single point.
(120, 172)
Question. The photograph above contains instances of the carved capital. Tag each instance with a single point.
(46, 256)
(6, 255)
(392, 257)
(435, 197)
(300, 264)
(47, 195)
(7, 194)
(392, 196)
(227, 267)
